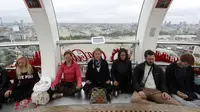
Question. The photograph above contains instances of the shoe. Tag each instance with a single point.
(9, 100)
(0, 106)
(116, 93)
(108, 97)
(78, 94)
(57, 95)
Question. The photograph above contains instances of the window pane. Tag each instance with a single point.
(79, 19)
(182, 22)
(8, 55)
(15, 23)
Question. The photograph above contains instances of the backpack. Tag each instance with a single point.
(98, 96)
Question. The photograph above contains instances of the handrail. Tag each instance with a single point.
(61, 42)
(13, 44)
(109, 63)
(178, 43)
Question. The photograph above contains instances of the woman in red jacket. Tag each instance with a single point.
(72, 82)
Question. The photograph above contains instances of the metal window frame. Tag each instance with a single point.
(62, 42)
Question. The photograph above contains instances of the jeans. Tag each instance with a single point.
(194, 103)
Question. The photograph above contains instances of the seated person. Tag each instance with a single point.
(97, 74)
(149, 82)
(4, 84)
(121, 73)
(26, 77)
(72, 81)
(180, 81)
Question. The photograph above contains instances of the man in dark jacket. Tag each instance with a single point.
(4, 84)
(149, 82)
(180, 81)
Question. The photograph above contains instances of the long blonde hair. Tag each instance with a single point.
(27, 68)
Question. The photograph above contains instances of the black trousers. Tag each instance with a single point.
(88, 87)
(67, 88)
(21, 93)
(124, 88)
(2, 98)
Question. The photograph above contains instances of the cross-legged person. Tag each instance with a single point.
(26, 77)
(4, 85)
(72, 82)
(98, 74)
(121, 73)
(149, 83)
(180, 81)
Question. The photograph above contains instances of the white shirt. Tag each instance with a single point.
(150, 83)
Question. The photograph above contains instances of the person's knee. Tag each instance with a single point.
(87, 87)
(109, 87)
(173, 102)
(135, 98)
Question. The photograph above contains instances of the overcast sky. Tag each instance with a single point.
(101, 11)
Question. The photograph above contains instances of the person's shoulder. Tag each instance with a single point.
(141, 64)
(172, 65)
(91, 61)
(75, 64)
(104, 61)
(115, 61)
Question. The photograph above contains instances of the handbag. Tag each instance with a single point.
(41, 98)
(98, 96)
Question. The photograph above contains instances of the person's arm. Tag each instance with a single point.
(163, 87)
(5, 79)
(135, 76)
(113, 71)
(87, 74)
(35, 74)
(195, 87)
(78, 76)
(107, 71)
(58, 76)
(15, 83)
(130, 73)
(169, 76)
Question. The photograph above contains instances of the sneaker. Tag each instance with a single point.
(116, 93)
(78, 94)
(0, 106)
(57, 95)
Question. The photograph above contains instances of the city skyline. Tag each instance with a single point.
(101, 11)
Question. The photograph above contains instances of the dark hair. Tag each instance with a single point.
(148, 52)
(68, 52)
(187, 57)
(123, 50)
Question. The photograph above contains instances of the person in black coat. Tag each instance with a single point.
(149, 82)
(4, 84)
(121, 73)
(97, 74)
(180, 81)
